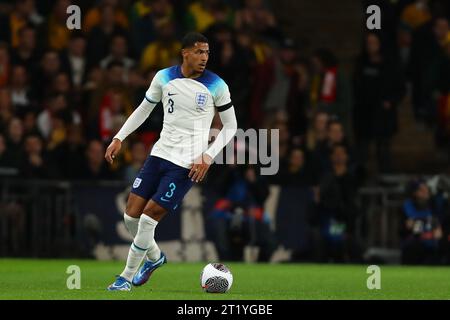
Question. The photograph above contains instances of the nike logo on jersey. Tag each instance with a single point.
(171, 94)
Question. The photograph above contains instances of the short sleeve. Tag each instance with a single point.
(222, 97)
(154, 92)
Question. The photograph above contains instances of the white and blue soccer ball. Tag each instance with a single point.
(216, 278)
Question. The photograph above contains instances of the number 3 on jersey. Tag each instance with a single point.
(171, 103)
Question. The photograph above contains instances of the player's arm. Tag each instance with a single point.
(228, 118)
(134, 121)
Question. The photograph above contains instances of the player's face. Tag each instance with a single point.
(197, 56)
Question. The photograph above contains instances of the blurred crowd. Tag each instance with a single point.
(65, 93)
(425, 227)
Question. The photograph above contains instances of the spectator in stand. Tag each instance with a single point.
(15, 140)
(138, 84)
(74, 61)
(119, 52)
(379, 88)
(262, 74)
(24, 13)
(114, 75)
(335, 136)
(336, 211)
(54, 104)
(146, 18)
(26, 53)
(403, 47)
(300, 171)
(233, 62)
(331, 89)
(30, 122)
(56, 110)
(238, 218)
(164, 51)
(95, 167)
(282, 78)
(61, 84)
(298, 102)
(68, 156)
(35, 162)
(256, 17)
(113, 81)
(202, 14)
(49, 67)
(421, 230)
(318, 132)
(58, 133)
(100, 37)
(93, 17)
(427, 52)
(114, 105)
(416, 14)
(57, 32)
(22, 96)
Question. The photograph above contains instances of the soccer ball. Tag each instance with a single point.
(216, 278)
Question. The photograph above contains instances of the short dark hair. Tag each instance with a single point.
(191, 38)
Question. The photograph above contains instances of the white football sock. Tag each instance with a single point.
(153, 252)
(142, 242)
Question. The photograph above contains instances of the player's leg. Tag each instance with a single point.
(140, 228)
(171, 191)
(144, 239)
(153, 213)
(156, 212)
(135, 207)
(143, 187)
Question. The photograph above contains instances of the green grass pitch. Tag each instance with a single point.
(46, 279)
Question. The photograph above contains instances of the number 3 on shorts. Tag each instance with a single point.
(172, 187)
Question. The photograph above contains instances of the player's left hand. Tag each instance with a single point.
(200, 167)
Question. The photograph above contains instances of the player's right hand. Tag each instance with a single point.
(112, 150)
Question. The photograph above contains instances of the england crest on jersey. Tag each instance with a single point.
(201, 99)
(137, 183)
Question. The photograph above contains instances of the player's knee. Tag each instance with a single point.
(154, 211)
(132, 211)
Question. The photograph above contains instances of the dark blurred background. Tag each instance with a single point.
(363, 117)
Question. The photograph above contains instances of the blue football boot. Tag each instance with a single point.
(147, 269)
(121, 284)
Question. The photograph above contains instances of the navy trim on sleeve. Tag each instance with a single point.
(225, 107)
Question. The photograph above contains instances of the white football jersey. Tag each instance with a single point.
(189, 107)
